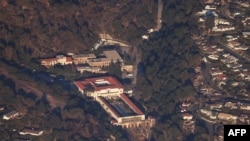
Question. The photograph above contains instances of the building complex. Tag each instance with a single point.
(90, 59)
(108, 92)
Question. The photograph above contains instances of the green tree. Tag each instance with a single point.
(115, 69)
(209, 22)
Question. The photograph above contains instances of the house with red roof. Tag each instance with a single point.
(107, 86)
(59, 59)
(108, 92)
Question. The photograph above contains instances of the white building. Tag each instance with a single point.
(231, 105)
(106, 89)
(10, 115)
(228, 117)
(59, 59)
(213, 57)
(215, 106)
(31, 131)
(82, 69)
(210, 7)
(245, 106)
(187, 116)
(219, 21)
(145, 37)
(101, 86)
(246, 34)
(221, 28)
(206, 112)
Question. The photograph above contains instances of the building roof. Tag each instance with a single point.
(99, 83)
(11, 113)
(113, 55)
(68, 59)
(79, 84)
(91, 55)
(31, 131)
(131, 104)
(186, 115)
(225, 115)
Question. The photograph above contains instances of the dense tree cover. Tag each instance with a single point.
(43, 27)
(29, 28)
(167, 58)
(80, 118)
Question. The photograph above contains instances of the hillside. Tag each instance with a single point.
(45, 27)
(31, 29)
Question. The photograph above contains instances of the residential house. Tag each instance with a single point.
(210, 114)
(232, 38)
(235, 84)
(186, 104)
(206, 90)
(145, 37)
(82, 69)
(245, 106)
(215, 106)
(210, 7)
(31, 131)
(234, 66)
(206, 112)
(242, 47)
(219, 21)
(210, 50)
(201, 20)
(229, 59)
(232, 44)
(216, 71)
(10, 115)
(198, 81)
(187, 116)
(150, 30)
(228, 117)
(223, 28)
(48, 62)
(245, 4)
(1, 108)
(225, 55)
(213, 57)
(246, 34)
(247, 76)
(231, 105)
